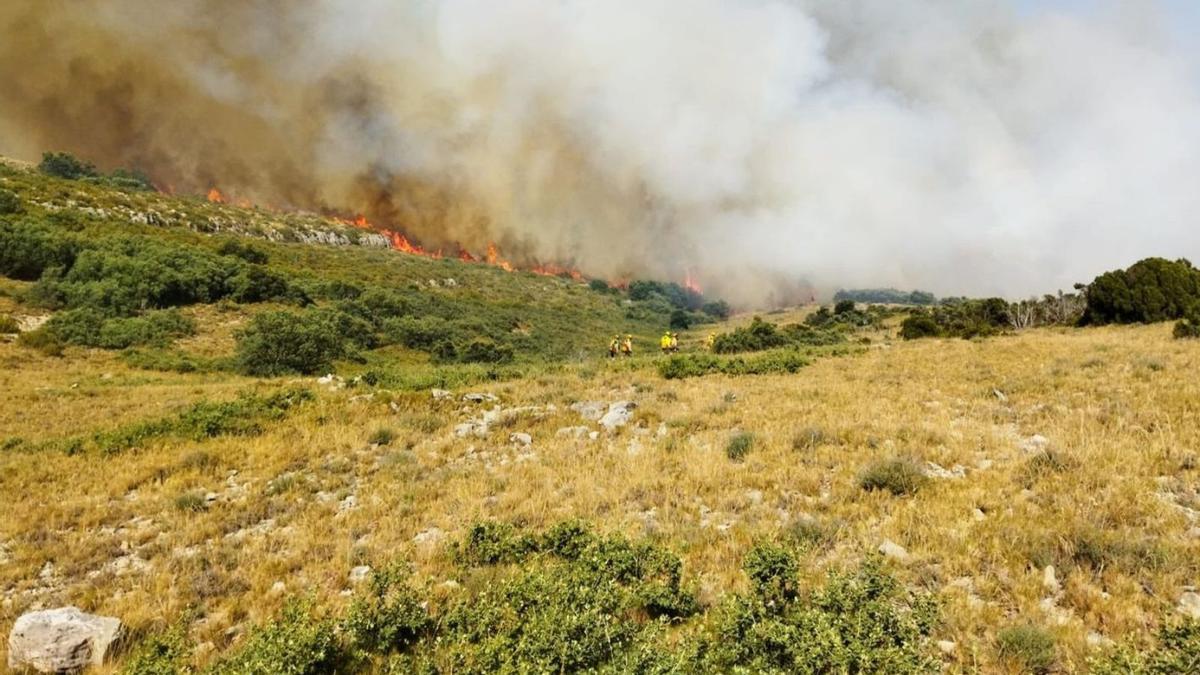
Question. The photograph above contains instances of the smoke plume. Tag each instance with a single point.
(960, 147)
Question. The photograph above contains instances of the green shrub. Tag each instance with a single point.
(167, 653)
(773, 572)
(43, 341)
(388, 617)
(88, 327)
(1030, 647)
(864, 622)
(885, 296)
(919, 326)
(489, 543)
(165, 360)
(29, 248)
(1150, 290)
(1177, 650)
(284, 342)
(191, 502)
(422, 333)
(243, 250)
(382, 436)
(10, 203)
(485, 350)
(739, 446)
(680, 320)
(897, 476)
(682, 366)
(844, 307)
(296, 643)
(9, 325)
(1188, 328)
(64, 165)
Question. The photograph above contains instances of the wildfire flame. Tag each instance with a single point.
(690, 283)
(493, 258)
(215, 196)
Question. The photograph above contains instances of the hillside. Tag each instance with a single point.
(814, 496)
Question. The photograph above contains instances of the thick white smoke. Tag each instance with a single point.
(959, 147)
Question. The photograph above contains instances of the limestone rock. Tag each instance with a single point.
(480, 398)
(947, 647)
(519, 438)
(577, 433)
(63, 640)
(618, 415)
(589, 410)
(1050, 580)
(359, 574)
(1189, 605)
(1035, 443)
(894, 551)
(441, 395)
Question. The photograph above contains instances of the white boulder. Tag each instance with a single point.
(63, 640)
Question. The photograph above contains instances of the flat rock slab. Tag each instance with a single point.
(63, 640)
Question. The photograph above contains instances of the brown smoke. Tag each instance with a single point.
(957, 147)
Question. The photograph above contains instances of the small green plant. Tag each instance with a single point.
(9, 325)
(773, 571)
(811, 438)
(739, 446)
(389, 616)
(297, 643)
(1028, 646)
(191, 502)
(382, 436)
(897, 476)
(1177, 650)
(10, 203)
(43, 341)
(166, 653)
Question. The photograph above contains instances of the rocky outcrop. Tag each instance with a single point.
(618, 415)
(63, 640)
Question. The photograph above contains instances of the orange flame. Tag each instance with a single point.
(690, 283)
(493, 258)
(215, 196)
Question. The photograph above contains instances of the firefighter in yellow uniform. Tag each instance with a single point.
(614, 346)
(665, 343)
(710, 341)
(627, 346)
(674, 342)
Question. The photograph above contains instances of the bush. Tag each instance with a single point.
(897, 476)
(1150, 290)
(43, 341)
(680, 320)
(1030, 647)
(297, 643)
(681, 366)
(167, 653)
(244, 251)
(285, 342)
(1188, 328)
(64, 165)
(773, 572)
(600, 286)
(762, 335)
(844, 306)
(919, 326)
(9, 325)
(863, 622)
(886, 296)
(28, 249)
(1177, 651)
(718, 309)
(10, 203)
(382, 436)
(485, 350)
(739, 446)
(388, 617)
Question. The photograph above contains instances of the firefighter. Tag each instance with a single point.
(674, 342)
(665, 342)
(614, 346)
(627, 346)
(710, 341)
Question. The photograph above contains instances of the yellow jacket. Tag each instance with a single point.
(665, 342)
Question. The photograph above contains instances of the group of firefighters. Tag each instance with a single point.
(669, 343)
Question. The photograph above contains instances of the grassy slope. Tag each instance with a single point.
(1120, 404)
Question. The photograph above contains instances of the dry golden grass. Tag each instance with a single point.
(1120, 407)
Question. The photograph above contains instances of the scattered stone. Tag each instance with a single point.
(332, 381)
(947, 647)
(984, 464)
(47, 571)
(278, 588)
(662, 430)
(1050, 581)
(1098, 641)
(1000, 396)
(521, 439)
(1056, 615)
(210, 497)
(350, 502)
(1035, 443)
(618, 415)
(635, 447)
(755, 497)
(359, 574)
(1193, 533)
(577, 433)
(442, 395)
(480, 398)
(593, 435)
(891, 549)
(933, 470)
(430, 536)
(63, 640)
(1189, 605)
(589, 410)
